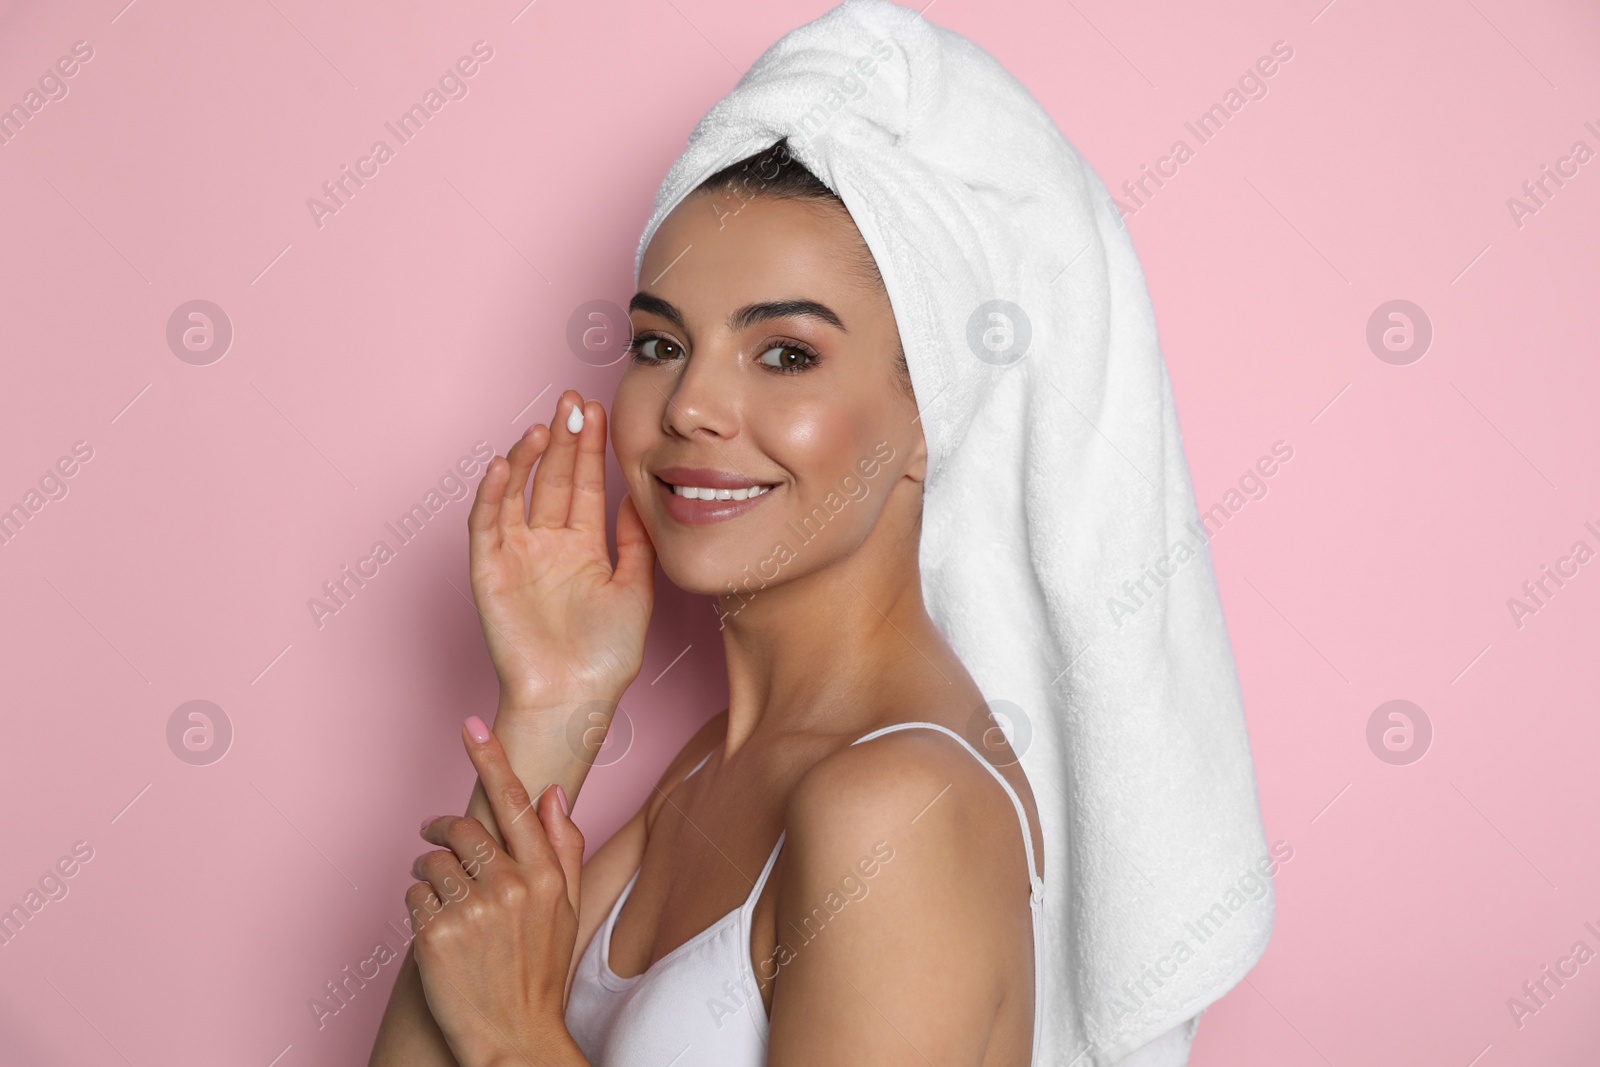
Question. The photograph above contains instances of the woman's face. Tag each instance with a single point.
(762, 362)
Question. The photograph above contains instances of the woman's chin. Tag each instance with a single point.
(714, 576)
(697, 576)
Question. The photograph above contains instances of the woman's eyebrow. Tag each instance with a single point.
(654, 305)
(744, 317)
(751, 314)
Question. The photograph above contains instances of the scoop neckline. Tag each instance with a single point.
(619, 983)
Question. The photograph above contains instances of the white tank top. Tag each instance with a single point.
(700, 1004)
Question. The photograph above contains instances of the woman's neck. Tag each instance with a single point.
(829, 652)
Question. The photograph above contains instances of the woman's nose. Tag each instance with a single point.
(704, 398)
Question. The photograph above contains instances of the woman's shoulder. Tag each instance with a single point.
(904, 782)
(912, 821)
(896, 776)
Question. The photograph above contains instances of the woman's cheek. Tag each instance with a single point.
(820, 441)
(631, 422)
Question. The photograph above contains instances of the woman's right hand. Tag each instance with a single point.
(562, 624)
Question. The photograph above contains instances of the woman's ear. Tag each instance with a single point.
(917, 466)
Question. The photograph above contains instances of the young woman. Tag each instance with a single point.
(832, 421)
(768, 363)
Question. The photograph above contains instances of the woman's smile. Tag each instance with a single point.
(700, 496)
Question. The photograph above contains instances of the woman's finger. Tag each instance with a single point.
(565, 837)
(509, 800)
(636, 553)
(483, 521)
(468, 838)
(538, 830)
(522, 456)
(423, 903)
(588, 512)
(552, 482)
(443, 872)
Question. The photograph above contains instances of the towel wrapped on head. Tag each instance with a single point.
(1056, 553)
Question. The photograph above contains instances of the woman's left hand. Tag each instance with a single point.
(495, 925)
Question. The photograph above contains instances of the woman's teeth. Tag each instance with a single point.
(691, 492)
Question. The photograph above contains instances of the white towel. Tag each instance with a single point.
(1057, 474)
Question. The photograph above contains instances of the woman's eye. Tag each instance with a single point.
(648, 349)
(787, 358)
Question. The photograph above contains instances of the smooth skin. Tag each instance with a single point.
(495, 918)
(832, 640)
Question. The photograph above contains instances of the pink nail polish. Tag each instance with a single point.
(561, 795)
(425, 823)
(478, 729)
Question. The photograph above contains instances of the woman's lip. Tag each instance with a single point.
(706, 478)
(706, 512)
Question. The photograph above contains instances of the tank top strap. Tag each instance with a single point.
(1036, 882)
(703, 760)
(766, 871)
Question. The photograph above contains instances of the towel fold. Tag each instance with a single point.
(1056, 554)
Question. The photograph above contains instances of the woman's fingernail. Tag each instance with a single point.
(425, 823)
(478, 729)
(561, 795)
(575, 420)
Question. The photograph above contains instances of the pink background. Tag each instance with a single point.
(430, 313)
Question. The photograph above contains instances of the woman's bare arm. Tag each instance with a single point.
(408, 1035)
(892, 850)
(565, 630)
(537, 743)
